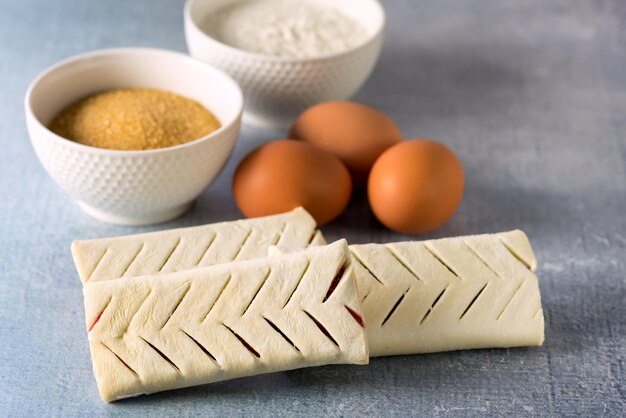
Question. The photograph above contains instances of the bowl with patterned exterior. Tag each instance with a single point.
(277, 89)
(133, 187)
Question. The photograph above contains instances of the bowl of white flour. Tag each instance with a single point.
(287, 55)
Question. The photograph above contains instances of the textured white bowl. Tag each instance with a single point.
(278, 89)
(133, 187)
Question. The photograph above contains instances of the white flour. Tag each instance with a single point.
(285, 28)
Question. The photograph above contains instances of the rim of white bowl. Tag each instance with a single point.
(370, 38)
(136, 51)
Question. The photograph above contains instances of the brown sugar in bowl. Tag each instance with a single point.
(133, 187)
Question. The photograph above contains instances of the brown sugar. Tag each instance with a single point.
(134, 119)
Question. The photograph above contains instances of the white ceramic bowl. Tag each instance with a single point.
(277, 89)
(133, 187)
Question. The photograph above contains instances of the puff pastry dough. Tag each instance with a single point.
(449, 294)
(159, 332)
(186, 248)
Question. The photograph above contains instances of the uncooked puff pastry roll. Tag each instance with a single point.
(159, 332)
(186, 248)
(449, 294)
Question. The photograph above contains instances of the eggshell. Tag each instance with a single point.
(355, 133)
(416, 186)
(282, 175)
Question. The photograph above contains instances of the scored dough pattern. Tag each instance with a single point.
(183, 249)
(449, 294)
(148, 334)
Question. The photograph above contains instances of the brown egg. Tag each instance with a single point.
(282, 175)
(416, 186)
(355, 133)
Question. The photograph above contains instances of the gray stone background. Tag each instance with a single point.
(530, 94)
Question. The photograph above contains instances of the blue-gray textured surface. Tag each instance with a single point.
(530, 94)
